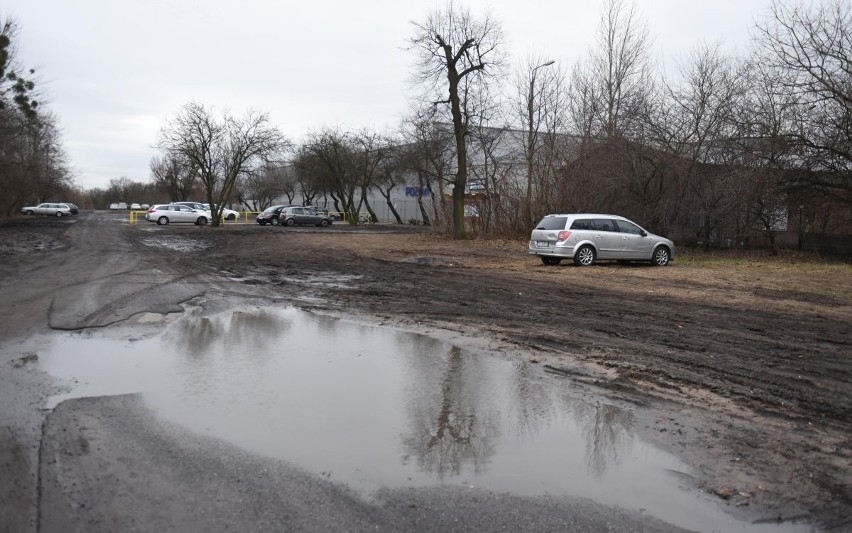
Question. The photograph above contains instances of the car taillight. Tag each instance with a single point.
(563, 236)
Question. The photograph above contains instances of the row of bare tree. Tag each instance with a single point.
(724, 144)
(720, 147)
(33, 165)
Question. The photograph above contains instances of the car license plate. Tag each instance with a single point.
(542, 244)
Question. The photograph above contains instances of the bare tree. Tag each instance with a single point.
(389, 176)
(540, 107)
(175, 176)
(453, 50)
(371, 150)
(16, 89)
(696, 125)
(258, 188)
(311, 174)
(331, 162)
(810, 48)
(428, 154)
(33, 164)
(221, 150)
(620, 69)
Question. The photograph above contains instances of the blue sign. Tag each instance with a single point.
(416, 191)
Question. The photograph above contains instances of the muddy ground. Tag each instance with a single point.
(740, 365)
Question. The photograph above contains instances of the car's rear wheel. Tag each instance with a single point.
(662, 256)
(275, 221)
(290, 222)
(162, 221)
(585, 256)
(201, 221)
(550, 261)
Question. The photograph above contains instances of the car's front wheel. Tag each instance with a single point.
(162, 221)
(550, 261)
(59, 214)
(325, 223)
(290, 222)
(585, 256)
(231, 217)
(29, 212)
(662, 256)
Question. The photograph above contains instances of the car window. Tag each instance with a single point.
(603, 224)
(581, 223)
(628, 227)
(298, 211)
(552, 223)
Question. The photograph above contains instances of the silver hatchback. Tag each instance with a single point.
(587, 238)
(170, 213)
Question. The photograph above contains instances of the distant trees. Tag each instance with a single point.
(33, 164)
(220, 149)
(327, 158)
(258, 188)
(175, 176)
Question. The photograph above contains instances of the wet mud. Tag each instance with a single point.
(748, 388)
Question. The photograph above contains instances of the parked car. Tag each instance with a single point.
(135, 207)
(230, 214)
(173, 213)
(57, 210)
(294, 215)
(270, 215)
(145, 206)
(227, 214)
(587, 238)
(118, 205)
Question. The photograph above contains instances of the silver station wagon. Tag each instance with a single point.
(587, 238)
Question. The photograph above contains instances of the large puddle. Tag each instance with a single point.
(372, 407)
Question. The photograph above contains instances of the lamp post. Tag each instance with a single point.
(531, 135)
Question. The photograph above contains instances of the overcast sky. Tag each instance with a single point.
(114, 71)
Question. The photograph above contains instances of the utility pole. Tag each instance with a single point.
(531, 137)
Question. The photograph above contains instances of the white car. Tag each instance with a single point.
(164, 214)
(135, 207)
(57, 210)
(227, 214)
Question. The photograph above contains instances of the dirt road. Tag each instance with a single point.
(742, 368)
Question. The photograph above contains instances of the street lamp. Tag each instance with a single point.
(531, 135)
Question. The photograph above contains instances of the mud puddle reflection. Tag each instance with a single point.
(373, 407)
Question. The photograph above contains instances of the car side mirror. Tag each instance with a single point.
(643, 233)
